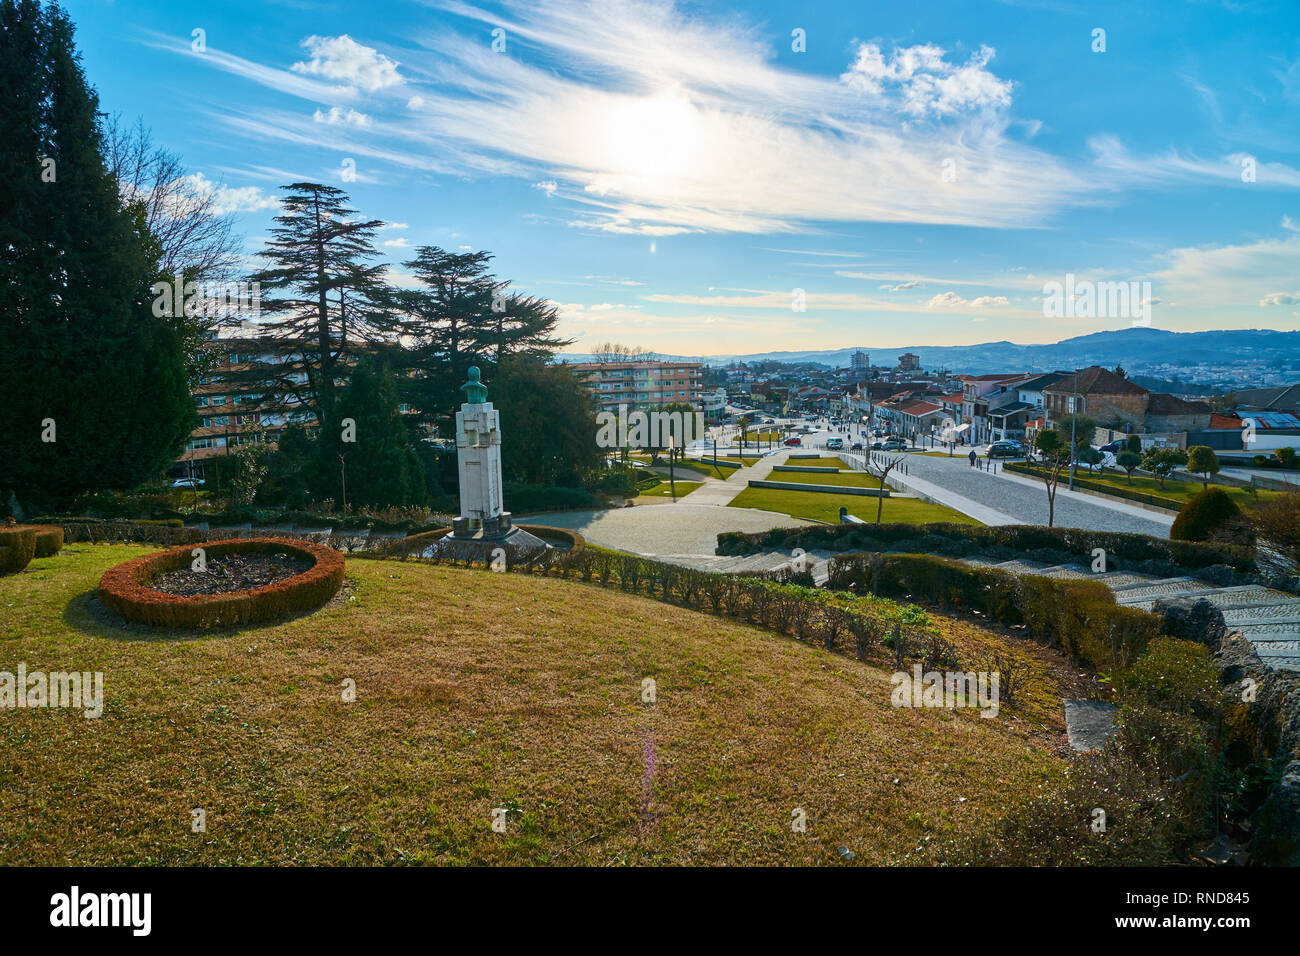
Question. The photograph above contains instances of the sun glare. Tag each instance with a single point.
(651, 139)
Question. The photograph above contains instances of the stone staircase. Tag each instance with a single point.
(1268, 618)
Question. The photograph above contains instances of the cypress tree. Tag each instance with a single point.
(93, 391)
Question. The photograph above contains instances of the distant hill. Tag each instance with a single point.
(1222, 357)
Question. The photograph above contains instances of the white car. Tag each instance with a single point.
(188, 483)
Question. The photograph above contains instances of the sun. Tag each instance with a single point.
(651, 139)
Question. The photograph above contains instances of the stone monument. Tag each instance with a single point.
(484, 531)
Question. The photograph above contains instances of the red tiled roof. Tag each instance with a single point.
(1095, 380)
(1224, 421)
(1161, 403)
(920, 408)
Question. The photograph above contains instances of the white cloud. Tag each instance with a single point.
(342, 116)
(1232, 277)
(902, 286)
(1281, 298)
(399, 243)
(228, 199)
(547, 186)
(342, 58)
(921, 80)
(951, 300)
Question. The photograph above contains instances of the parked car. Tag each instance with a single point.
(894, 444)
(857, 446)
(1114, 447)
(834, 444)
(188, 483)
(877, 444)
(794, 441)
(1007, 448)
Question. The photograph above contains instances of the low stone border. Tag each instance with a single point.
(817, 469)
(125, 588)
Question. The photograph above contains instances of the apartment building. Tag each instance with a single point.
(232, 411)
(642, 384)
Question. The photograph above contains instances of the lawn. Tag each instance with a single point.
(664, 489)
(477, 691)
(699, 467)
(817, 462)
(820, 506)
(851, 479)
(1180, 491)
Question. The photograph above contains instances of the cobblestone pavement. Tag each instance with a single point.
(675, 529)
(1026, 500)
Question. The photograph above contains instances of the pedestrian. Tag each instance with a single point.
(972, 457)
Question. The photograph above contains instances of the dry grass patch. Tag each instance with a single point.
(474, 691)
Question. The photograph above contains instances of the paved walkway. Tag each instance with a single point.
(1019, 499)
(672, 529)
(721, 493)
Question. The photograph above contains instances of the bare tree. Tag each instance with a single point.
(1056, 455)
(614, 352)
(880, 469)
(196, 234)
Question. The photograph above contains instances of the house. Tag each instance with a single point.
(982, 394)
(1107, 398)
(1282, 398)
(1169, 413)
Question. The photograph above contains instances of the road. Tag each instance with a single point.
(1004, 498)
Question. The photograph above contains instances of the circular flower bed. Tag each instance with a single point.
(126, 588)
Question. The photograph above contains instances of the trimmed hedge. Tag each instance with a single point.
(125, 588)
(17, 548)
(1082, 481)
(836, 622)
(1058, 545)
(49, 539)
(1079, 617)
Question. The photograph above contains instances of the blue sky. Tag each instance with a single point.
(670, 174)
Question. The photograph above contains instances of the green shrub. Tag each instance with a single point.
(1078, 616)
(1053, 545)
(1210, 513)
(1173, 675)
(525, 499)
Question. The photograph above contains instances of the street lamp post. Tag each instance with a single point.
(672, 482)
(1074, 416)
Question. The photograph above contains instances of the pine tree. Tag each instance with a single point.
(464, 316)
(93, 391)
(449, 321)
(331, 297)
